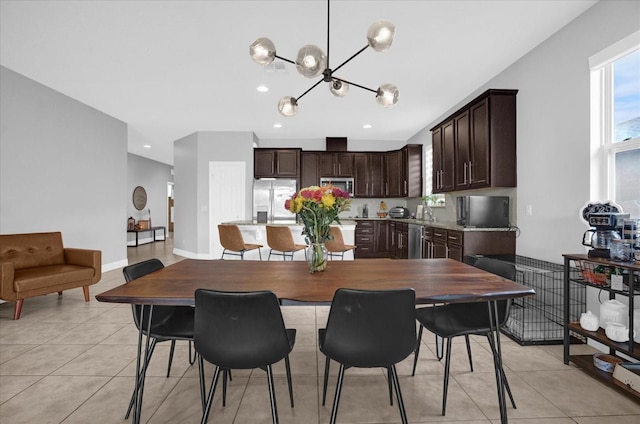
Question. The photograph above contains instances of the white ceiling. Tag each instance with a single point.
(171, 68)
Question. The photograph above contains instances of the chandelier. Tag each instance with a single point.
(312, 62)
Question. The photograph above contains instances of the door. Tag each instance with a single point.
(227, 199)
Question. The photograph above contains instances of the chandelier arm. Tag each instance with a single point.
(286, 60)
(348, 60)
(356, 85)
(312, 87)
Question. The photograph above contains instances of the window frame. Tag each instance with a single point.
(603, 145)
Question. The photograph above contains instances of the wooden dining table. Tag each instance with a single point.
(433, 280)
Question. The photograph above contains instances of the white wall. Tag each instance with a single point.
(153, 176)
(62, 168)
(553, 127)
(192, 154)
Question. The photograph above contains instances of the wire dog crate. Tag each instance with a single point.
(539, 319)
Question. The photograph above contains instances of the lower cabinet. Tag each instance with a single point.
(390, 239)
(372, 239)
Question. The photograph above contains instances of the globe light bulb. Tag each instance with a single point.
(262, 51)
(311, 61)
(380, 35)
(338, 88)
(288, 106)
(387, 95)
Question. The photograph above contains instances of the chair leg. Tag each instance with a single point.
(269, 258)
(445, 388)
(336, 398)
(173, 348)
(260, 254)
(466, 339)
(201, 378)
(326, 380)
(289, 382)
(396, 384)
(439, 347)
(417, 352)
(224, 387)
(272, 396)
(212, 390)
(192, 359)
(389, 382)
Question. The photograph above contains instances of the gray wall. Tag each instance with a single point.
(62, 168)
(553, 127)
(153, 176)
(192, 154)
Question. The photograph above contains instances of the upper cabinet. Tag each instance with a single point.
(336, 164)
(276, 163)
(310, 172)
(412, 167)
(476, 146)
(368, 174)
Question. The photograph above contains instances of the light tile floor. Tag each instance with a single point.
(67, 361)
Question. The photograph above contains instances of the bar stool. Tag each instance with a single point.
(232, 241)
(279, 238)
(337, 246)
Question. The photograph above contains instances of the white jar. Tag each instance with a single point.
(589, 321)
(613, 311)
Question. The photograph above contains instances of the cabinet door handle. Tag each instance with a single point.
(470, 175)
(464, 180)
(366, 188)
(405, 186)
(339, 169)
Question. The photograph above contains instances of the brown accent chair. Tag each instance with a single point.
(279, 238)
(337, 246)
(233, 243)
(37, 263)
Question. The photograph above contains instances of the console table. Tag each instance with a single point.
(150, 230)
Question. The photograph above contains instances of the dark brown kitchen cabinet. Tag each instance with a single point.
(336, 164)
(276, 163)
(394, 180)
(439, 248)
(443, 158)
(368, 173)
(412, 170)
(483, 136)
(455, 245)
(372, 239)
(399, 239)
(309, 169)
(427, 243)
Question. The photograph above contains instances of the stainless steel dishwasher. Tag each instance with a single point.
(415, 241)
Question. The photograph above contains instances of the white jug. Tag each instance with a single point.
(589, 321)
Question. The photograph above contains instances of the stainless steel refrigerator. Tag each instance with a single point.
(269, 196)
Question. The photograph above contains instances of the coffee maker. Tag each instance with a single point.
(605, 226)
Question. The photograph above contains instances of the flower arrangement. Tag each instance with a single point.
(318, 207)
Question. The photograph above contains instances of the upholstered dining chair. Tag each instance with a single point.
(235, 330)
(233, 243)
(336, 246)
(167, 322)
(281, 242)
(465, 319)
(369, 329)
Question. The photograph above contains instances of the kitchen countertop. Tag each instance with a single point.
(447, 225)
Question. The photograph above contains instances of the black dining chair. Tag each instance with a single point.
(465, 319)
(167, 322)
(241, 331)
(369, 329)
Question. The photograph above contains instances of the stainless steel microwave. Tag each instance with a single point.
(344, 184)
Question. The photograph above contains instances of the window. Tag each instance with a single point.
(615, 129)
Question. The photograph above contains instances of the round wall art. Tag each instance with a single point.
(139, 198)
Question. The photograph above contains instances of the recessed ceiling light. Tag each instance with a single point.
(366, 126)
(262, 88)
(147, 146)
(277, 125)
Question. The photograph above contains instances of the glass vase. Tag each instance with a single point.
(317, 256)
